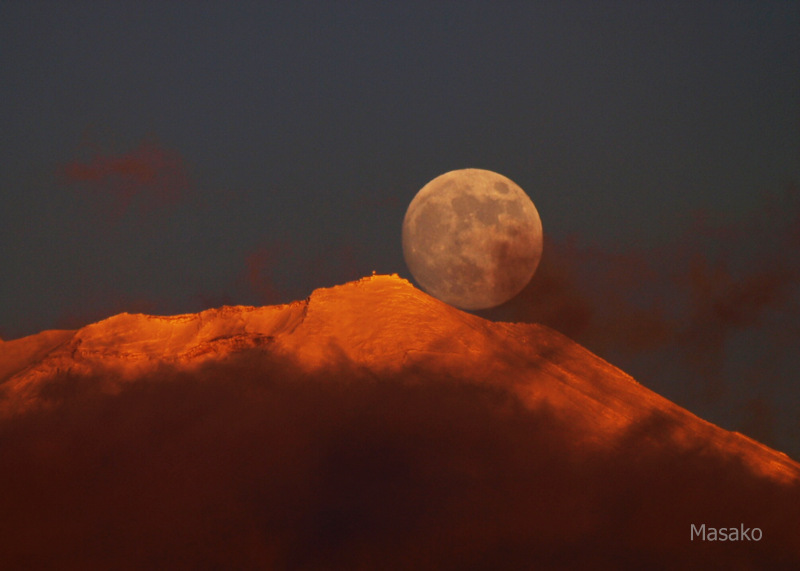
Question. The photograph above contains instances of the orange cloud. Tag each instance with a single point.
(682, 302)
(260, 268)
(156, 176)
(253, 463)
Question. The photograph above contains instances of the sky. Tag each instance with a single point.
(166, 157)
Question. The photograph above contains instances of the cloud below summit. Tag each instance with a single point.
(252, 463)
(682, 314)
(368, 426)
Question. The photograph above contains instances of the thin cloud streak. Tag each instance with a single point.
(149, 175)
(684, 307)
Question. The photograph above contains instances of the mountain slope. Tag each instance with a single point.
(522, 443)
(380, 323)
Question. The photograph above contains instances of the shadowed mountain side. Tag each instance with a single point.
(369, 426)
(251, 462)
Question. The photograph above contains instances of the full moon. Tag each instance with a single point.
(472, 238)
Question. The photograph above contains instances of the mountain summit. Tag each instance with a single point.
(369, 425)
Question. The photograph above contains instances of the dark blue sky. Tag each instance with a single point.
(169, 156)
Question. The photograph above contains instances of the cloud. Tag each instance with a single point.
(251, 463)
(273, 269)
(711, 315)
(261, 267)
(691, 297)
(149, 174)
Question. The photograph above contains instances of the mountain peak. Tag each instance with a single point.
(379, 323)
(310, 407)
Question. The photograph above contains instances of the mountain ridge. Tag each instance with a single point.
(384, 324)
(367, 426)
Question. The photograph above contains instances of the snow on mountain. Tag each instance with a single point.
(373, 365)
(380, 323)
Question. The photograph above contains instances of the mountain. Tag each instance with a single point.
(368, 426)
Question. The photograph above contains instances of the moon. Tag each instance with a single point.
(472, 238)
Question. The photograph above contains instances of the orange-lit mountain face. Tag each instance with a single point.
(368, 426)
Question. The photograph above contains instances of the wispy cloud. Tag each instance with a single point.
(252, 463)
(149, 175)
(684, 305)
